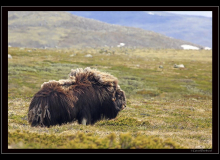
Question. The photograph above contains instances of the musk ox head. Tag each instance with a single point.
(86, 96)
(119, 98)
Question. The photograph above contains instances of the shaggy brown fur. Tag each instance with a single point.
(87, 96)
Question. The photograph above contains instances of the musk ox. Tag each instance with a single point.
(87, 96)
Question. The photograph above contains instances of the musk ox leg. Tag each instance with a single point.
(83, 118)
(84, 121)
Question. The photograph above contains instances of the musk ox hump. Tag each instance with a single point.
(102, 77)
(61, 82)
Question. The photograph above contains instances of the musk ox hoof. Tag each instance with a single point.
(87, 96)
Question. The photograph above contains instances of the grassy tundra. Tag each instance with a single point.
(166, 108)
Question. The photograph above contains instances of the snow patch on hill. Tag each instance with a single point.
(207, 48)
(186, 46)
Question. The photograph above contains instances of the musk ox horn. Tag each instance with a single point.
(86, 96)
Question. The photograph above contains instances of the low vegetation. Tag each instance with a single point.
(166, 107)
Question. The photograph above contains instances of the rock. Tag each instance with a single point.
(179, 66)
(122, 44)
(72, 55)
(9, 56)
(161, 66)
(144, 114)
(88, 55)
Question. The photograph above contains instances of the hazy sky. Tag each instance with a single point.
(198, 13)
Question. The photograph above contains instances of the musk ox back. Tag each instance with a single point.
(87, 96)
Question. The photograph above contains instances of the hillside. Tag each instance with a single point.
(64, 30)
(195, 29)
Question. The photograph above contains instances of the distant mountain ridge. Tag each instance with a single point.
(39, 29)
(195, 29)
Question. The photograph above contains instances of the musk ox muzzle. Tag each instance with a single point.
(86, 96)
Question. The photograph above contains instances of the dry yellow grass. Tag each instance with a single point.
(172, 54)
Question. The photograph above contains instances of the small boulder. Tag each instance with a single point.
(72, 55)
(179, 66)
(9, 56)
(88, 55)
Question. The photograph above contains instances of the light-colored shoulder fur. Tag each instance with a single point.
(101, 78)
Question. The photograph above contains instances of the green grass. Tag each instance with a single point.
(26, 139)
(169, 108)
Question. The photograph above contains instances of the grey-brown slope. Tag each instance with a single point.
(62, 29)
